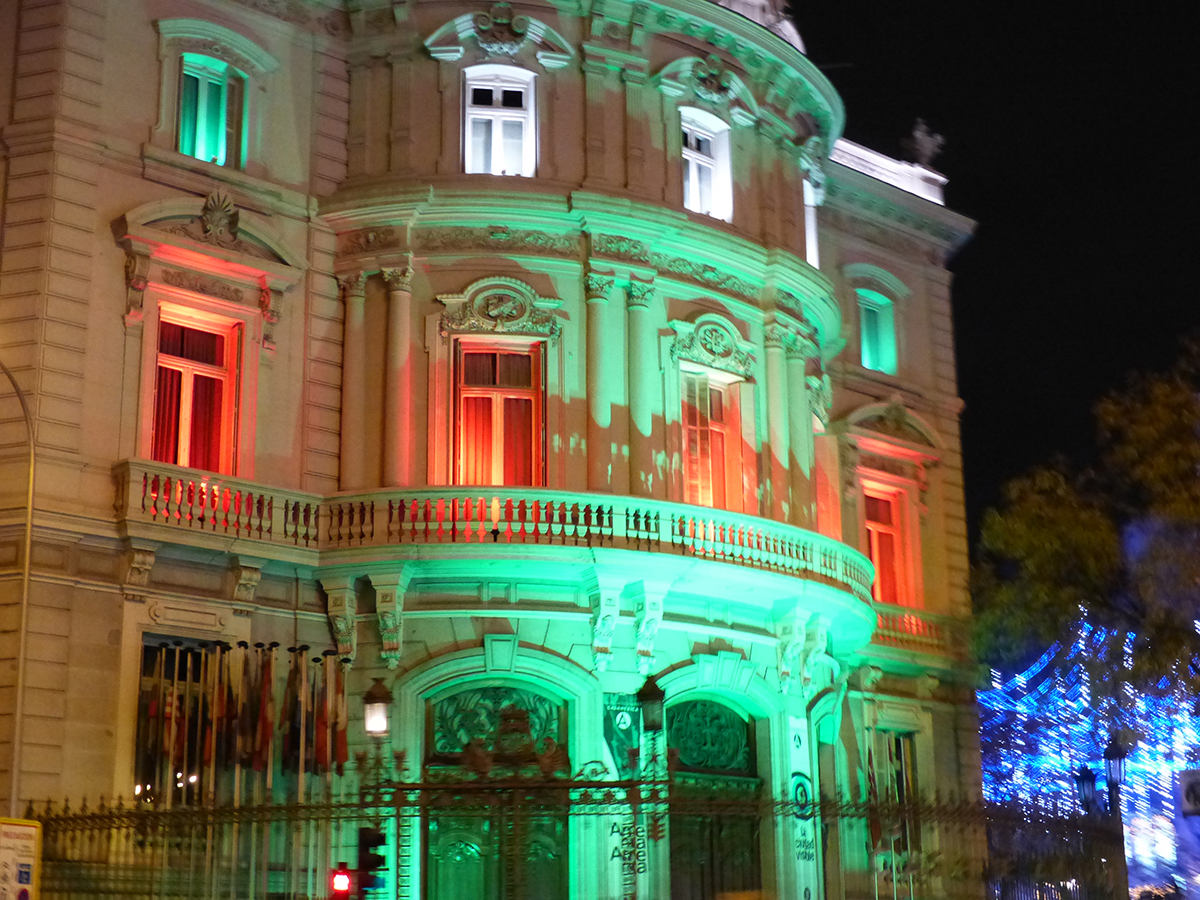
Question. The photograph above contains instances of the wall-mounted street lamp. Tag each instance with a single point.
(1114, 762)
(1085, 788)
(650, 698)
(377, 703)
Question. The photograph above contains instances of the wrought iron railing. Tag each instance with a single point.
(153, 498)
(286, 851)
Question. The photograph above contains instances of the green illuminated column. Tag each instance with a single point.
(599, 384)
(643, 382)
(776, 337)
(800, 463)
(354, 348)
(397, 414)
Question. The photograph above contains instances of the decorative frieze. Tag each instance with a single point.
(367, 240)
(200, 284)
(434, 240)
(648, 615)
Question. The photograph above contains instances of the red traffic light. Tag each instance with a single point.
(341, 883)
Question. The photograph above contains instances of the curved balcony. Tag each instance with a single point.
(173, 505)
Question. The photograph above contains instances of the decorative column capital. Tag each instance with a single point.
(776, 336)
(639, 294)
(353, 285)
(398, 279)
(598, 287)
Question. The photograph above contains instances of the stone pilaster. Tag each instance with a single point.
(354, 349)
(643, 382)
(397, 389)
(775, 340)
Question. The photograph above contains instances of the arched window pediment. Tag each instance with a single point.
(496, 33)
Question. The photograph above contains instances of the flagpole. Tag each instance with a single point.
(251, 736)
(156, 746)
(174, 726)
(237, 760)
(269, 727)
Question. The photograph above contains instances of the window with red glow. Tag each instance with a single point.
(709, 442)
(195, 394)
(885, 546)
(499, 420)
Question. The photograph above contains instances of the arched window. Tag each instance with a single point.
(876, 331)
(707, 179)
(499, 121)
(211, 110)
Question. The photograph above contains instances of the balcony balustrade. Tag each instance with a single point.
(171, 504)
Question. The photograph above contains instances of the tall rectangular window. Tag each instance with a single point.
(710, 435)
(499, 420)
(885, 546)
(500, 135)
(877, 331)
(195, 394)
(707, 178)
(211, 100)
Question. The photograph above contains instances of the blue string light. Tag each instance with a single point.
(1041, 725)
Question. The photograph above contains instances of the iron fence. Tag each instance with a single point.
(285, 852)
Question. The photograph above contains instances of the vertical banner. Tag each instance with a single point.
(20, 859)
(803, 792)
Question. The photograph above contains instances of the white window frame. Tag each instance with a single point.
(209, 70)
(697, 123)
(499, 78)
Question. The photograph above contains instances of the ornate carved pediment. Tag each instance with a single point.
(894, 420)
(499, 32)
(712, 342)
(229, 254)
(711, 82)
(499, 306)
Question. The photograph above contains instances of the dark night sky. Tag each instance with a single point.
(1065, 141)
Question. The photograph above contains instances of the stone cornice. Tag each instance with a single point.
(912, 225)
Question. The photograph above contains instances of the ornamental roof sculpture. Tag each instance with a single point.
(771, 14)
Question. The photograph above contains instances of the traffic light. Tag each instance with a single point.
(340, 882)
(369, 860)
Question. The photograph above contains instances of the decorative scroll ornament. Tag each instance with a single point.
(139, 561)
(606, 610)
(137, 279)
(812, 163)
(389, 611)
(648, 615)
(712, 80)
(248, 577)
(342, 611)
(498, 306)
(709, 736)
(499, 32)
(190, 281)
(820, 396)
(713, 343)
(217, 225)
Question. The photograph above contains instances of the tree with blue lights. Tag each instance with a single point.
(1087, 589)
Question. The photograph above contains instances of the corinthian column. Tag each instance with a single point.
(397, 385)
(644, 380)
(800, 463)
(775, 338)
(354, 348)
(599, 385)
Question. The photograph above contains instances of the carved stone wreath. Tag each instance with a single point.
(711, 344)
(498, 306)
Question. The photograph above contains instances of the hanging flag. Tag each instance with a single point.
(266, 713)
(310, 720)
(341, 746)
(289, 721)
(321, 721)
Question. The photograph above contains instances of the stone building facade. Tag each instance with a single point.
(514, 355)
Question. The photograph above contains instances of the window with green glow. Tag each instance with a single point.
(877, 331)
(211, 102)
